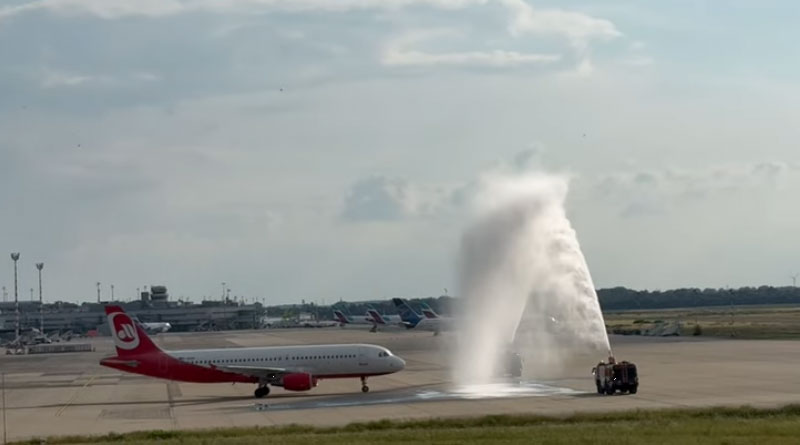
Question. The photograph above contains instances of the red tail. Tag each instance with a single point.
(129, 338)
(376, 316)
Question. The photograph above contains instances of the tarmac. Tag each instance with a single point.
(66, 394)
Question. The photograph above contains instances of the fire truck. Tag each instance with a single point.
(612, 377)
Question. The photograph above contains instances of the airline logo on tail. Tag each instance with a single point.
(341, 317)
(409, 317)
(376, 316)
(129, 337)
(123, 330)
(428, 312)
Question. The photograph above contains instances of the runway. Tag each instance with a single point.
(62, 394)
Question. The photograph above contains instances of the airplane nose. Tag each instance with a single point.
(399, 363)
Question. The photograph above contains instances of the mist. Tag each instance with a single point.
(524, 282)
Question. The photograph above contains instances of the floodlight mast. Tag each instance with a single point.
(15, 258)
(40, 266)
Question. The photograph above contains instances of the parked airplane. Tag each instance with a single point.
(412, 320)
(346, 319)
(156, 328)
(427, 311)
(295, 368)
(384, 320)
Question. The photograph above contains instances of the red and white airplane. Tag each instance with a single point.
(295, 368)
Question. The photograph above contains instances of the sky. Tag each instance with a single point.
(329, 149)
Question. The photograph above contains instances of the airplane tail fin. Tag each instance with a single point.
(340, 317)
(129, 337)
(428, 312)
(376, 316)
(407, 314)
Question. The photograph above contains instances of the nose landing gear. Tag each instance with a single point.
(364, 387)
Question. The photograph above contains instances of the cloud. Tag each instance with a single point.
(579, 28)
(398, 53)
(114, 9)
(650, 192)
(56, 79)
(376, 198)
(64, 79)
(379, 198)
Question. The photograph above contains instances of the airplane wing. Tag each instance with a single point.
(256, 371)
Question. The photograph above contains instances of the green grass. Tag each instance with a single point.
(743, 425)
(745, 322)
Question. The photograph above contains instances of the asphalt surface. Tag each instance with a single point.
(62, 394)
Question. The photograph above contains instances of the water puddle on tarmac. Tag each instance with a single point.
(469, 392)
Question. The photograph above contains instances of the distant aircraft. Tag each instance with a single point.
(384, 320)
(156, 328)
(412, 320)
(346, 319)
(428, 312)
(295, 368)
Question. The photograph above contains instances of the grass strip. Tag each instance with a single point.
(740, 425)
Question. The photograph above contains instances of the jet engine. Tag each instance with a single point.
(299, 382)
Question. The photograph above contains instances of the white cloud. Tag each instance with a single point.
(112, 9)
(379, 198)
(55, 79)
(65, 79)
(399, 52)
(579, 28)
(108, 9)
(658, 191)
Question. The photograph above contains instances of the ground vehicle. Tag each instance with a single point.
(612, 377)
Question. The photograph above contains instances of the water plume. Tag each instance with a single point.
(524, 282)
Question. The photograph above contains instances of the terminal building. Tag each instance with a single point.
(152, 306)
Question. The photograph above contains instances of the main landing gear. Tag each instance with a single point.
(261, 391)
(364, 387)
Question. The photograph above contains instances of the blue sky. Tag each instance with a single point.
(328, 149)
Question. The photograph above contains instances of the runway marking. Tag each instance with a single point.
(75, 396)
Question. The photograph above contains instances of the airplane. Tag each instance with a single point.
(345, 319)
(384, 320)
(153, 328)
(156, 328)
(295, 368)
(427, 311)
(412, 320)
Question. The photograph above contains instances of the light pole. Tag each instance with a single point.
(112, 292)
(98, 292)
(5, 295)
(223, 292)
(15, 257)
(39, 266)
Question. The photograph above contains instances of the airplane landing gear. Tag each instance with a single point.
(364, 387)
(261, 391)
